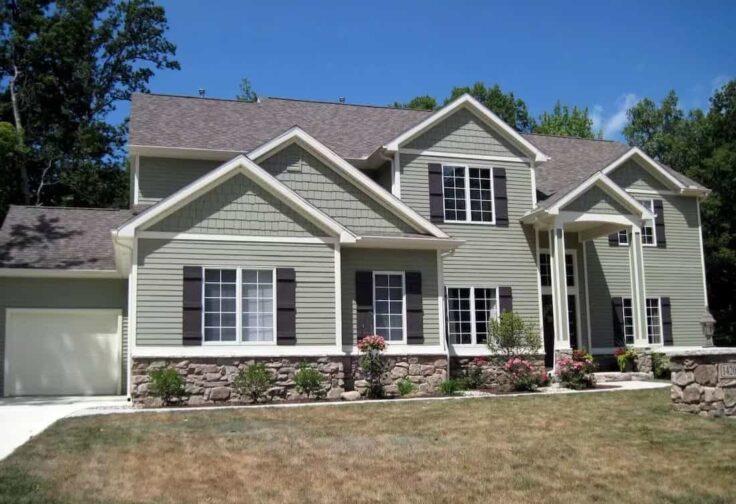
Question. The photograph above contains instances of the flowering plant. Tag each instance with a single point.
(371, 362)
(474, 377)
(374, 342)
(582, 356)
(576, 372)
(523, 375)
(626, 358)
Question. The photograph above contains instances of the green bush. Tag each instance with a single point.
(406, 387)
(451, 387)
(309, 381)
(511, 336)
(473, 376)
(661, 366)
(253, 382)
(166, 384)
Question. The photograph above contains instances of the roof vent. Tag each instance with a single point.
(341, 99)
(201, 92)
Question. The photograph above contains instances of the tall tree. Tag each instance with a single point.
(564, 121)
(702, 146)
(424, 102)
(510, 109)
(64, 67)
(247, 93)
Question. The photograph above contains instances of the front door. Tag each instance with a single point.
(548, 327)
(548, 323)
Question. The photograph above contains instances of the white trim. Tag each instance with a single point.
(702, 256)
(653, 226)
(473, 328)
(403, 350)
(403, 306)
(533, 178)
(396, 175)
(406, 242)
(441, 299)
(164, 235)
(455, 155)
(571, 291)
(659, 316)
(587, 295)
(277, 351)
(136, 178)
(468, 209)
(182, 152)
(338, 295)
(539, 284)
(58, 273)
(649, 192)
(239, 165)
(358, 178)
(468, 102)
(638, 155)
(132, 313)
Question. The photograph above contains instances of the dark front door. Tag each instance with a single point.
(548, 326)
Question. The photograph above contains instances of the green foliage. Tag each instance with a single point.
(625, 358)
(166, 384)
(424, 102)
(406, 387)
(247, 93)
(703, 147)
(510, 335)
(563, 121)
(253, 382)
(661, 366)
(309, 381)
(372, 363)
(510, 109)
(523, 375)
(451, 387)
(576, 372)
(473, 376)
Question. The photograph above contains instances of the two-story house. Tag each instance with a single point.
(285, 230)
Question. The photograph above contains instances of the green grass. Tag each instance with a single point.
(612, 447)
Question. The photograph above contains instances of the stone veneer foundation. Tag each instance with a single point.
(704, 381)
(493, 371)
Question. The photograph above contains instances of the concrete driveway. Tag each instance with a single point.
(24, 417)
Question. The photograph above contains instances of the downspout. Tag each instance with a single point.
(391, 159)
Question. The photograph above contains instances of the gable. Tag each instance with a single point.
(631, 175)
(596, 200)
(327, 190)
(464, 133)
(237, 206)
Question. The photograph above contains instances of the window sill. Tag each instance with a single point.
(472, 223)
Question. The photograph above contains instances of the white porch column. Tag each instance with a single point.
(638, 292)
(559, 288)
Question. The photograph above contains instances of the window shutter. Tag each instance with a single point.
(505, 300)
(285, 306)
(499, 194)
(666, 321)
(364, 303)
(617, 304)
(191, 327)
(659, 224)
(436, 204)
(414, 308)
(613, 240)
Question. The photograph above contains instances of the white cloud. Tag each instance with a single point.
(612, 125)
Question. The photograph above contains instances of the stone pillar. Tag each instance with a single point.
(638, 294)
(559, 288)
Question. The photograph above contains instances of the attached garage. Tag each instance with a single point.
(62, 352)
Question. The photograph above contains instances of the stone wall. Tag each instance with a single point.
(704, 381)
(493, 371)
(425, 371)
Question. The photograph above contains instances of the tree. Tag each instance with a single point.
(247, 93)
(513, 111)
(64, 66)
(565, 122)
(424, 102)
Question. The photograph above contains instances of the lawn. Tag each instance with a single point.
(609, 447)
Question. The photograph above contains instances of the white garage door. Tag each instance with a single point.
(62, 352)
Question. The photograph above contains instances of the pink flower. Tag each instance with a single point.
(373, 342)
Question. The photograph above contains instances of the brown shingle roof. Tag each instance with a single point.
(59, 238)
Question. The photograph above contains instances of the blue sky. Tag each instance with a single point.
(604, 55)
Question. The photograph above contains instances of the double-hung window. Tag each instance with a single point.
(389, 305)
(469, 309)
(467, 194)
(238, 306)
(623, 237)
(648, 237)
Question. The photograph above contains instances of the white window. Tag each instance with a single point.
(388, 305)
(236, 302)
(468, 194)
(545, 270)
(628, 322)
(654, 321)
(623, 237)
(468, 311)
(648, 236)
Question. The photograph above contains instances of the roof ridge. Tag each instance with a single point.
(106, 209)
(572, 137)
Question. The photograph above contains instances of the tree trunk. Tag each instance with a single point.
(21, 137)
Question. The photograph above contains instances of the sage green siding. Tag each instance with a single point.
(238, 206)
(631, 175)
(63, 293)
(596, 200)
(162, 177)
(423, 261)
(332, 193)
(463, 133)
(160, 264)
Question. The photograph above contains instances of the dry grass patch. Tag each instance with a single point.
(614, 447)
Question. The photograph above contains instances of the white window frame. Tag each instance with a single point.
(626, 234)
(239, 306)
(649, 204)
(468, 212)
(473, 326)
(659, 316)
(403, 305)
(632, 325)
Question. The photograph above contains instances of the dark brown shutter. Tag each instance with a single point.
(505, 300)
(414, 309)
(191, 327)
(285, 306)
(659, 224)
(613, 240)
(666, 321)
(617, 305)
(436, 204)
(499, 194)
(364, 303)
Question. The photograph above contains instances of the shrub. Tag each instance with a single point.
(511, 336)
(626, 358)
(661, 366)
(450, 387)
(405, 387)
(474, 376)
(372, 364)
(309, 381)
(253, 382)
(523, 375)
(166, 384)
(576, 372)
